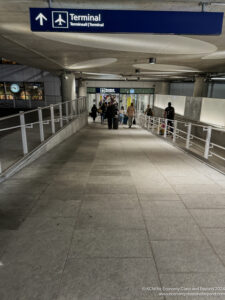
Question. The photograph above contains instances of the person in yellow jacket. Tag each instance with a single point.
(130, 114)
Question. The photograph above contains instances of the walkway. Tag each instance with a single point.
(106, 216)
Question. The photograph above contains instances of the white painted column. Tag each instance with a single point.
(69, 89)
(82, 89)
(165, 88)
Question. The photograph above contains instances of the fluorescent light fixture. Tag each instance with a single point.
(217, 3)
(218, 78)
(166, 68)
(102, 75)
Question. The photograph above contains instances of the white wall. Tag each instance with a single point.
(213, 111)
(178, 102)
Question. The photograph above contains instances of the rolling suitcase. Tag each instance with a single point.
(115, 123)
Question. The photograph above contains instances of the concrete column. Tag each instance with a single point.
(200, 87)
(165, 89)
(82, 88)
(69, 89)
(162, 88)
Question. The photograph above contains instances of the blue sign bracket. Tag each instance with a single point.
(125, 21)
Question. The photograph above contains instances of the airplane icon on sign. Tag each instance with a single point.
(60, 20)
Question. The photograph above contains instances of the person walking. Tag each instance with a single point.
(94, 112)
(130, 114)
(115, 116)
(169, 114)
(122, 114)
(103, 112)
(149, 111)
(110, 114)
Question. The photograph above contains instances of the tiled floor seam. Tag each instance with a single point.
(203, 234)
(67, 256)
(150, 245)
(149, 240)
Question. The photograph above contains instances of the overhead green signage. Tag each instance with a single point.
(137, 91)
(93, 90)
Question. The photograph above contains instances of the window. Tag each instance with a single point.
(33, 91)
(2, 91)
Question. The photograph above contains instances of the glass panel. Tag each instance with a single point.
(15, 91)
(2, 91)
(34, 91)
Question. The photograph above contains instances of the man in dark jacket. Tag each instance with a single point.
(110, 113)
(149, 111)
(103, 112)
(169, 115)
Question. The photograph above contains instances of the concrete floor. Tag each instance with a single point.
(108, 215)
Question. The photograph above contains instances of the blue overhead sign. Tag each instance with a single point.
(125, 21)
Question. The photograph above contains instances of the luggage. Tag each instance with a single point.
(115, 123)
(125, 120)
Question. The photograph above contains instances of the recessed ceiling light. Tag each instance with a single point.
(218, 78)
(162, 67)
(93, 63)
(159, 73)
(102, 74)
(152, 60)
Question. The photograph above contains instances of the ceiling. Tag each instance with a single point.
(121, 55)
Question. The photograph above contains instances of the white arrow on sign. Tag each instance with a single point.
(41, 17)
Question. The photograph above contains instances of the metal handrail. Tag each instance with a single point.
(146, 121)
(65, 112)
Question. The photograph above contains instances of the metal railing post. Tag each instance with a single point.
(153, 123)
(174, 131)
(41, 127)
(52, 118)
(23, 132)
(188, 136)
(60, 116)
(165, 129)
(83, 100)
(72, 109)
(67, 112)
(159, 124)
(148, 122)
(207, 142)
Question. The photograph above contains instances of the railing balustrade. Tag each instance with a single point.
(23, 132)
(180, 130)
